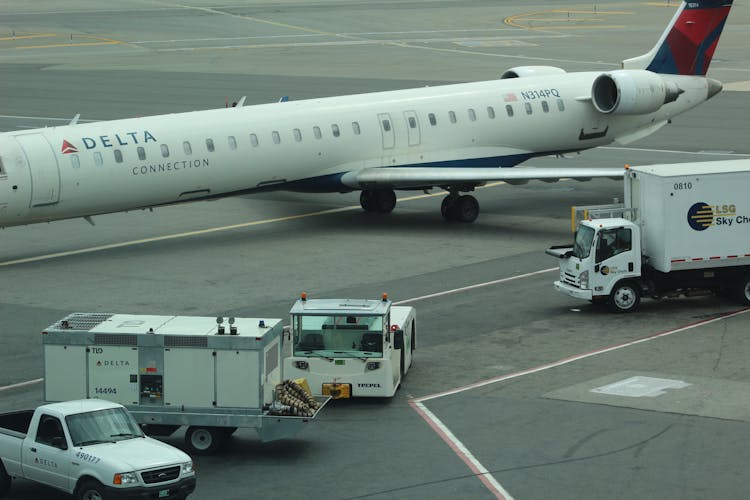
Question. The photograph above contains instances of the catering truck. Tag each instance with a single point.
(208, 374)
(683, 229)
(351, 348)
(92, 449)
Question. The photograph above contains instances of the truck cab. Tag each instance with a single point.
(600, 266)
(350, 348)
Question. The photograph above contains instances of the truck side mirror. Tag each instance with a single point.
(398, 339)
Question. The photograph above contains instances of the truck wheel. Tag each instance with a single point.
(743, 290)
(90, 490)
(5, 481)
(625, 297)
(204, 440)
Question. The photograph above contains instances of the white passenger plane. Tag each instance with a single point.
(455, 137)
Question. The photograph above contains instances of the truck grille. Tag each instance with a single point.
(571, 279)
(161, 475)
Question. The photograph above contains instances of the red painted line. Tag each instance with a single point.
(714, 258)
(698, 258)
(678, 260)
(731, 256)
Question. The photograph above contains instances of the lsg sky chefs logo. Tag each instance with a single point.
(701, 216)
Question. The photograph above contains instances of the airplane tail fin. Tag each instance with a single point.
(688, 44)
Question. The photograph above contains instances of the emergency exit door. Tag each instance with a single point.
(45, 172)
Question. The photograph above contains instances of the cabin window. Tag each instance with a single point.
(165, 151)
(472, 115)
(527, 105)
(254, 140)
(560, 105)
(545, 107)
(74, 161)
(232, 142)
(433, 120)
(98, 160)
(335, 130)
(491, 112)
(355, 128)
(187, 148)
(387, 125)
(210, 145)
(141, 153)
(118, 155)
(412, 122)
(509, 109)
(452, 116)
(297, 135)
(316, 132)
(276, 137)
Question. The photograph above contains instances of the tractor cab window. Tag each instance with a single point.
(613, 242)
(338, 336)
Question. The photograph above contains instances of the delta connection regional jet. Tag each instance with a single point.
(455, 137)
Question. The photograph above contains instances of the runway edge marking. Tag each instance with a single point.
(467, 457)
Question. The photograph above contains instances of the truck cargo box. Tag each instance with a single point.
(692, 215)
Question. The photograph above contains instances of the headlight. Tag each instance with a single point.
(373, 365)
(584, 279)
(186, 468)
(125, 478)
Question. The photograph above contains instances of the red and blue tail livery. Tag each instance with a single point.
(688, 44)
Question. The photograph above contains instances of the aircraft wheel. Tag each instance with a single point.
(367, 200)
(446, 208)
(385, 201)
(466, 208)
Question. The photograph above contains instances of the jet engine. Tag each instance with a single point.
(526, 71)
(632, 92)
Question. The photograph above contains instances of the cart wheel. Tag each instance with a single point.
(625, 297)
(743, 290)
(5, 481)
(204, 440)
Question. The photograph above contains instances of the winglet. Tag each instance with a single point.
(689, 41)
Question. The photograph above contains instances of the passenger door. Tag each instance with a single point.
(47, 456)
(615, 259)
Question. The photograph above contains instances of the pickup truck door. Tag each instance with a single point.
(46, 456)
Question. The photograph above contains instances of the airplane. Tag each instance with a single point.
(455, 137)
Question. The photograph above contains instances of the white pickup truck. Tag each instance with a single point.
(92, 449)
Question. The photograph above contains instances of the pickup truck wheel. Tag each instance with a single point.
(743, 290)
(204, 440)
(90, 490)
(625, 297)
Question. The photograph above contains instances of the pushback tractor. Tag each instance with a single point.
(208, 374)
(351, 348)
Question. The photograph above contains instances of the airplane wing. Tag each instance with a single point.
(420, 177)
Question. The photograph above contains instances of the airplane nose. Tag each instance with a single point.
(714, 87)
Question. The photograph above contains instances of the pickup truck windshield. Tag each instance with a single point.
(584, 239)
(102, 426)
(343, 336)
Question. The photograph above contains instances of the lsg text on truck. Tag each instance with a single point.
(683, 229)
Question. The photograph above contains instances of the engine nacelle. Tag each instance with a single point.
(526, 71)
(632, 92)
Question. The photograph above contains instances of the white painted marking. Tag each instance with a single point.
(463, 453)
(640, 387)
(44, 118)
(672, 151)
(21, 384)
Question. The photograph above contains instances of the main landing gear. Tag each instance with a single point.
(455, 207)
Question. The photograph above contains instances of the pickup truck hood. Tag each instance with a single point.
(137, 454)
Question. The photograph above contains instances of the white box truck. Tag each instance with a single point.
(351, 348)
(173, 371)
(683, 229)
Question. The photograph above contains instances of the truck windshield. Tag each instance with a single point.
(338, 336)
(102, 426)
(584, 239)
